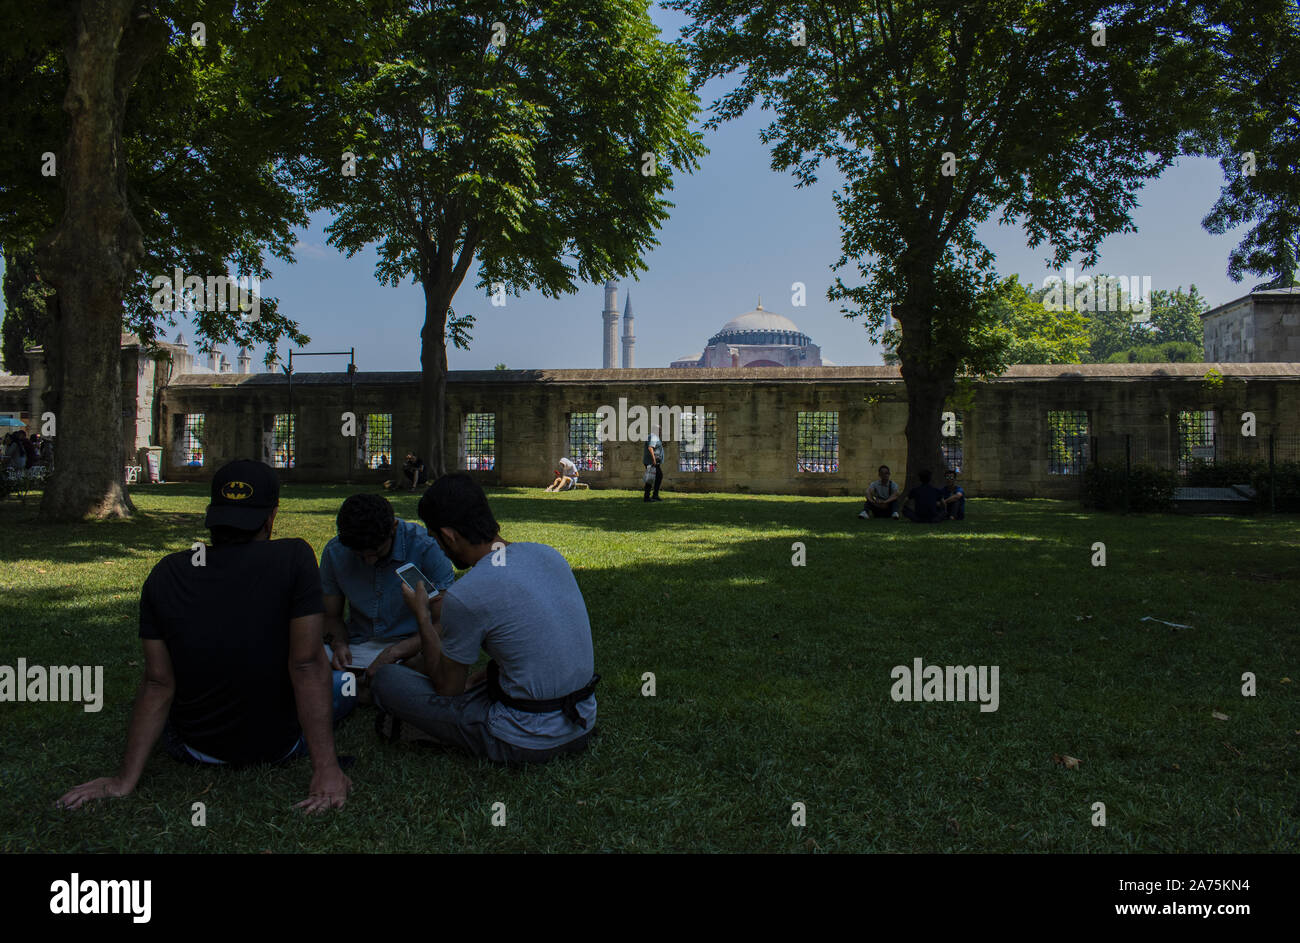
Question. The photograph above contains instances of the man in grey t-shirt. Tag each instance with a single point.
(520, 603)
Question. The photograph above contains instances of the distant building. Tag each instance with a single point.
(758, 338)
(1262, 327)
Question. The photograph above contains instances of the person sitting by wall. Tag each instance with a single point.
(234, 664)
(520, 603)
(926, 500)
(566, 476)
(954, 497)
(883, 497)
(413, 470)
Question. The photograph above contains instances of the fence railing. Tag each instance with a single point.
(1269, 462)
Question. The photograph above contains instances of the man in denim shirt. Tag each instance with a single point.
(360, 566)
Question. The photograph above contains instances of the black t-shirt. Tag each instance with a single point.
(226, 627)
(926, 497)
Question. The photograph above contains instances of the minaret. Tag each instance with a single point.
(610, 358)
(629, 338)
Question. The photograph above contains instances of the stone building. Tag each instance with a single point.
(757, 338)
(1262, 327)
(785, 430)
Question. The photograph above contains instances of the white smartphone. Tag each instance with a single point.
(410, 575)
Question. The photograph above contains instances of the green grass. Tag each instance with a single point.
(772, 687)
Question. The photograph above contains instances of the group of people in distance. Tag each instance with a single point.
(924, 504)
(253, 653)
(652, 460)
(21, 452)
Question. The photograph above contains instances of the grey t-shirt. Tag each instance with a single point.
(882, 493)
(527, 613)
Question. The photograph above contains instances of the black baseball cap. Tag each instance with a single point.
(244, 493)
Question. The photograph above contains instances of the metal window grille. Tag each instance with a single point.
(952, 447)
(1196, 443)
(282, 441)
(818, 449)
(585, 448)
(378, 441)
(1067, 442)
(705, 458)
(479, 435)
(192, 439)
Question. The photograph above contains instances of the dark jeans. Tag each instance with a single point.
(876, 510)
(935, 517)
(957, 510)
(659, 477)
(460, 721)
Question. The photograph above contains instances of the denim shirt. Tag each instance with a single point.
(374, 593)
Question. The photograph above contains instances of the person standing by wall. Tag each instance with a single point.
(653, 460)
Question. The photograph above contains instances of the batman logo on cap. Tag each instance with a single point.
(236, 490)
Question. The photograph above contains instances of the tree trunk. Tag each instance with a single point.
(926, 393)
(89, 258)
(929, 379)
(433, 380)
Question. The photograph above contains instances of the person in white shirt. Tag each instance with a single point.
(566, 476)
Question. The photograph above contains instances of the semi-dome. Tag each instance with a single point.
(761, 327)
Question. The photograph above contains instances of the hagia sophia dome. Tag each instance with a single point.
(758, 338)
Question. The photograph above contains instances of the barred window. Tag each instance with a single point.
(282, 441)
(698, 449)
(478, 437)
(585, 447)
(952, 444)
(1067, 442)
(818, 448)
(1196, 443)
(377, 440)
(191, 440)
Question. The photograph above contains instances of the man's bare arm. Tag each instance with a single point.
(313, 694)
(153, 702)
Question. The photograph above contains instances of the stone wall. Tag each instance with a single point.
(1005, 433)
(1259, 328)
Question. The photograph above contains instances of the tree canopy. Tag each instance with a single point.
(538, 139)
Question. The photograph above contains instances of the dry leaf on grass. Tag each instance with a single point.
(1218, 716)
(1069, 762)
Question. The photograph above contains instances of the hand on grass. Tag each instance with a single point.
(329, 790)
(103, 788)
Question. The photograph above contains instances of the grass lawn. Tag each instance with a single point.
(773, 687)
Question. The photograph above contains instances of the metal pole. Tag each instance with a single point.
(1272, 477)
(1128, 466)
(352, 405)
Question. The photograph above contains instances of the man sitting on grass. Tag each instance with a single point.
(520, 603)
(883, 497)
(359, 567)
(234, 665)
(926, 500)
(954, 497)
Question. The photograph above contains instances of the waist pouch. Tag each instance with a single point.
(568, 704)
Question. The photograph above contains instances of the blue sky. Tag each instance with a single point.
(738, 231)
